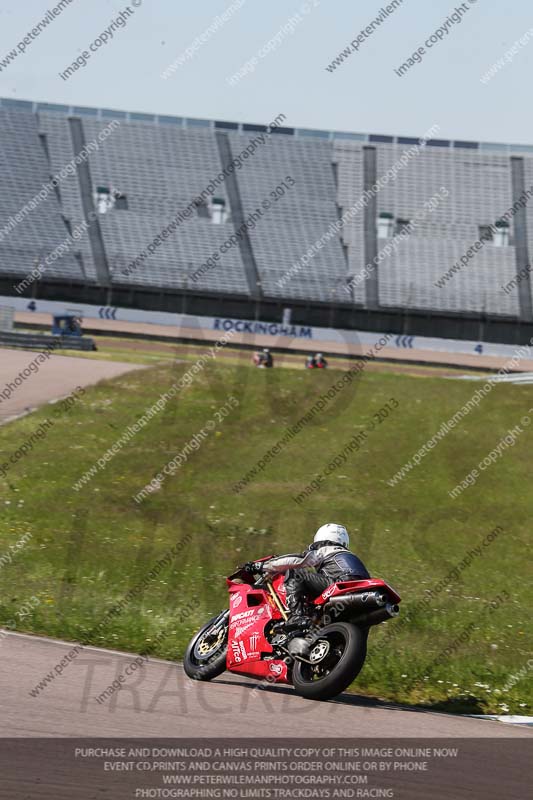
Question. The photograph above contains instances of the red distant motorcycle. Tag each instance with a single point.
(251, 638)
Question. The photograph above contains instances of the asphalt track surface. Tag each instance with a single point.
(56, 377)
(158, 700)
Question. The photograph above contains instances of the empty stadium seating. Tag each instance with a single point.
(28, 239)
(61, 152)
(479, 193)
(160, 170)
(291, 224)
(159, 165)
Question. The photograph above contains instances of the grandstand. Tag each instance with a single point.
(125, 177)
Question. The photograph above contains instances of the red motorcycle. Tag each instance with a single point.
(251, 637)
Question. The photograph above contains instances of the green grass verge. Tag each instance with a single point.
(88, 548)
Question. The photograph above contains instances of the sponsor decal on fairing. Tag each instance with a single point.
(236, 652)
(243, 614)
(241, 629)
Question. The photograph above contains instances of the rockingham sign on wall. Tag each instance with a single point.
(262, 333)
(263, 328)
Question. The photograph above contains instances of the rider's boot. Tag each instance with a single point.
(297, 619)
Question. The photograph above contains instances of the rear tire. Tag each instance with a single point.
(340, 652)
(205, 657)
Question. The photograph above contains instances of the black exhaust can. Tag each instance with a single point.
(378, 615)
(360, 602)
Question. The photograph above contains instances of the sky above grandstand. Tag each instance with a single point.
(397, 67)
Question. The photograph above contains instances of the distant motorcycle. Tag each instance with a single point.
(251, 637)
(263, 359)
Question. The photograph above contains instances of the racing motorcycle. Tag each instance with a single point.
(251, 638)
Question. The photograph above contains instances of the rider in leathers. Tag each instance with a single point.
(326, 561)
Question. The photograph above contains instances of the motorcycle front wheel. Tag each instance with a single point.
(205, 657)
(336, 657)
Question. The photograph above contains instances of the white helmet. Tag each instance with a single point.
(331, 532)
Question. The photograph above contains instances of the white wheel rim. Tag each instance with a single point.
(319, 651)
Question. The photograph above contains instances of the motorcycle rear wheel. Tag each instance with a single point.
(338, 653)
(205, 657)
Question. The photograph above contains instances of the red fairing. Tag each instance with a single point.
(279, 585)
(349, 587)
(251, 610)
(273, 670)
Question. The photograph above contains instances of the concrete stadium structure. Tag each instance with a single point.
(423, 236)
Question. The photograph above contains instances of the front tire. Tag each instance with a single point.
(338, 652)
(205, 657)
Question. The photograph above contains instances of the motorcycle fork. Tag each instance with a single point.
(222, 619)
(276, 600)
